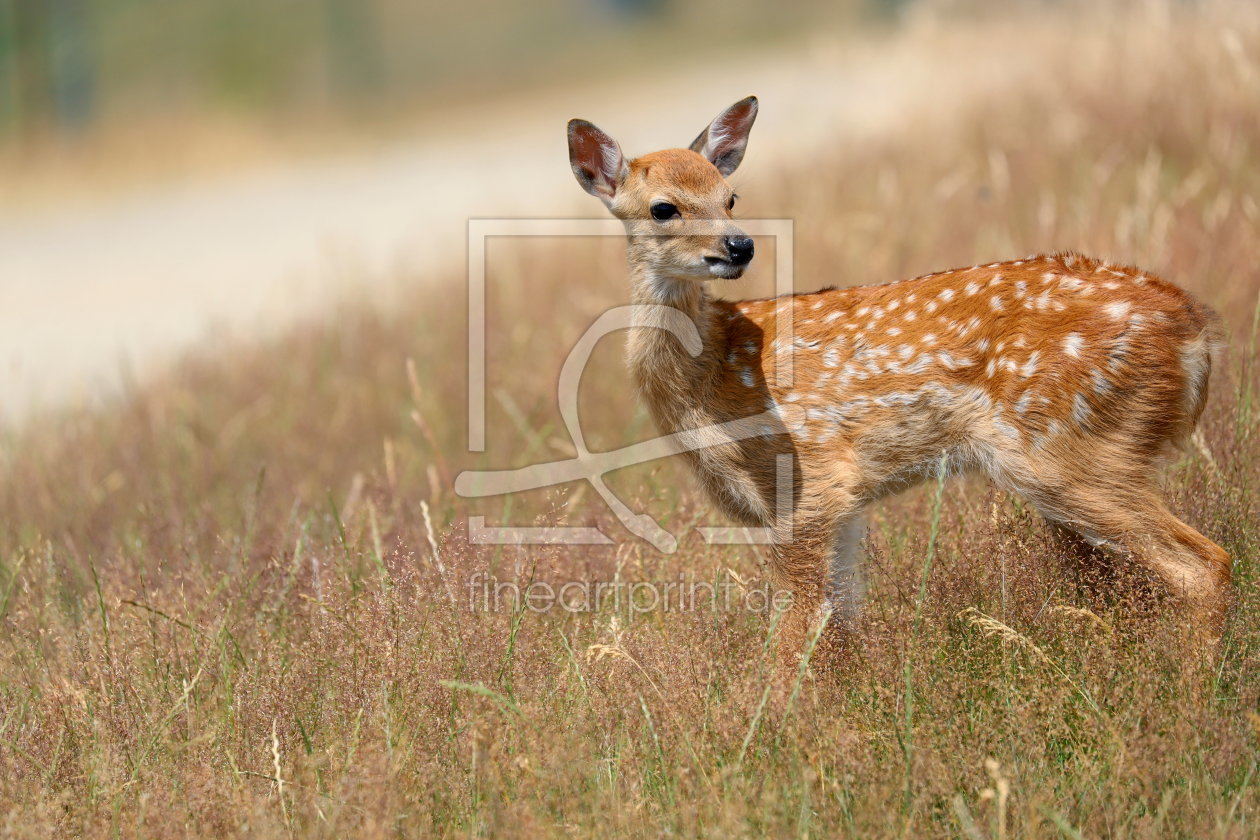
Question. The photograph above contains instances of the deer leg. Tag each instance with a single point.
(846, 585)
(1195, 569)
(799, 563)
(1131, 517)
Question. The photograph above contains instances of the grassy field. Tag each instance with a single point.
(237, 602)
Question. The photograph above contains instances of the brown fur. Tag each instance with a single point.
(1063, 378)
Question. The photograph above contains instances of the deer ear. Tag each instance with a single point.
(726, 138)
(596, 159)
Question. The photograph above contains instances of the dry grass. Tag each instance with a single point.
(224, 611)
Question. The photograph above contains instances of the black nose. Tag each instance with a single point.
(740, 248)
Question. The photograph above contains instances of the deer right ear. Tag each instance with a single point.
(726, 138)
(596, 159)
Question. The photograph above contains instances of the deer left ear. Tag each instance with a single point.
(596, 160)
(726, 138)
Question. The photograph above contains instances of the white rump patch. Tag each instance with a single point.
(1196, 361)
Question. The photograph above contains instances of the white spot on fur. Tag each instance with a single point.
(950, 361)
(1006, 428)
(920, 364)
(746, 376)
(1101, 385)
(1072, 344)
(1118, 310)
(1080, 409)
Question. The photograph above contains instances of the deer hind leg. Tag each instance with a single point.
(1194, 568)
(1132, 518)
(846, 585)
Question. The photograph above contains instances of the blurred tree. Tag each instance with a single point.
(8, 68)
(73, 66)
(636, 8)
(47, 65)
(354, 48)
(29, 66)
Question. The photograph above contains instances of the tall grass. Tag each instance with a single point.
(237, 603)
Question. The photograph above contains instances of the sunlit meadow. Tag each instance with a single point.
(237, 600)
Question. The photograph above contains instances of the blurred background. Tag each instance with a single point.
(177, 169)
(72, 66)
(172, 168)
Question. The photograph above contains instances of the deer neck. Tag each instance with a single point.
(670, 378)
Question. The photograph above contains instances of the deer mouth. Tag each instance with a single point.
(724, 269)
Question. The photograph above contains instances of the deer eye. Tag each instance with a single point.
(663, 211)
(730, 205)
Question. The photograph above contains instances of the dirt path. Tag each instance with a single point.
(120, 285)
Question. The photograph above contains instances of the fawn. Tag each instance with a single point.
(1062, 378)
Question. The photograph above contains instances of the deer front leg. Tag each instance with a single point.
(800, 564)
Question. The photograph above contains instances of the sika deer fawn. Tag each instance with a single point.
(1062, 378)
